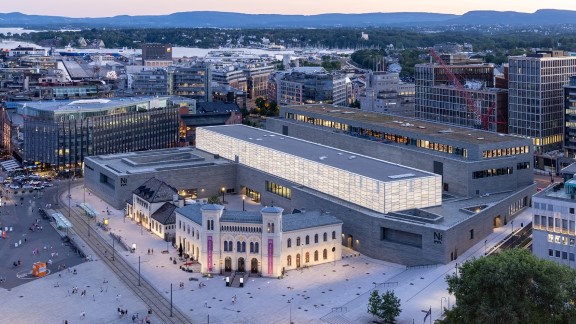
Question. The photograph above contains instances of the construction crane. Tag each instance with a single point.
(484, 119)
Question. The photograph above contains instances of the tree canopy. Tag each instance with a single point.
(512, 287)
(385, 307)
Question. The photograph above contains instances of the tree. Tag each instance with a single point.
(512, 287)
(386, 306)
(214, 200)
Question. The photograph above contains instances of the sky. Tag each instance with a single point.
(107, 8)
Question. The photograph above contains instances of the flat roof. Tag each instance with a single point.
(86, 104)
(354, 117)
(170, 159)
(321, 154)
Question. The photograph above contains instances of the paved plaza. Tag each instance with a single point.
(336, 292)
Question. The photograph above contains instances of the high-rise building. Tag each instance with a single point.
(386, 94)
(193, 81)
(477, 105)
(63, 133)
(570, 118)
(312, 85)
(149, 82)
(536, 96)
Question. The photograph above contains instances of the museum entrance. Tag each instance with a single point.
(254, 265)
(228, 264)
(241, 267)
(297, 260)
(497, 221)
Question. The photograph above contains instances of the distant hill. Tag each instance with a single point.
(239, 20)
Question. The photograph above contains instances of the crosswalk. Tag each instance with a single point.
(10, 165)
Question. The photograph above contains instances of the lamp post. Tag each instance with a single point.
(243, 199)
(170, 300)
(138, 270)
(290, 302)
(223, 190)
(485, 241)
(441, 306)
(512, 223)
(113, 249)
(456, 269)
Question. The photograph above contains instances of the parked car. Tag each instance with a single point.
(47, 184)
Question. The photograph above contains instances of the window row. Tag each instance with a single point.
(506, 152)
(307, 239)
(278, 190)
(241, 247)
(306, 258)
(551, 223)
(245, 229)
(550, 207)
(561, 254)
(492, 173)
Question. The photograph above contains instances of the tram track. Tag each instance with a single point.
(155, 300)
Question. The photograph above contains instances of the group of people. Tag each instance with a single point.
(181, 284)
(150, 251)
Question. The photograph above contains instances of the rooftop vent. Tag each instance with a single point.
(445, 131)
(400, 176)
(334, 111)
(479, 138)
(323, 157)
(258, 139)
(351, 157)
(348, 112)
(421, 127)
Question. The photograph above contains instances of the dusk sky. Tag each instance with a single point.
(107, 8)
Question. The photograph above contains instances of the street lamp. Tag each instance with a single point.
(243, 199)
(485, 241)
(290, 302)
(441, 306)
(223, 190)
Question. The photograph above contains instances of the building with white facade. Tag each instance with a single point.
(264, 242)
(554, 229)
(375, 184)
(152, 206)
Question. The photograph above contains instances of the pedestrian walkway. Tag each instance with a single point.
(336, 292)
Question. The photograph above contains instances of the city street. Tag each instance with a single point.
(30, 238)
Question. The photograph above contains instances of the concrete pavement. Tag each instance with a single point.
(336, 292)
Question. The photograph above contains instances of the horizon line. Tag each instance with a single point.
(281, 14)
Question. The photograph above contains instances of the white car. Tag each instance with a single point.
(13, 186)
(27, 186)
(47, 184)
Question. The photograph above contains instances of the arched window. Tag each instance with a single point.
(289, 243)
(238, 246)
(298, 241)
(325, 236)
(225, 246)
(243, 246)
(325, 254)
(272, 227)
(315, 238)
(256, 247)
(316, 255)
(289, 260)
(251, 247)
(307, 257)
(333, 235)
(230, 246)
(307, 239)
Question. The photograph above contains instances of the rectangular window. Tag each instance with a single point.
(557, 253)
(550, 238)
(278, 190)
(550, 252)
(564, 255)
(571, 256)
(571, 210)
(471, 234)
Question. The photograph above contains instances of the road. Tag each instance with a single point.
(160, 306)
